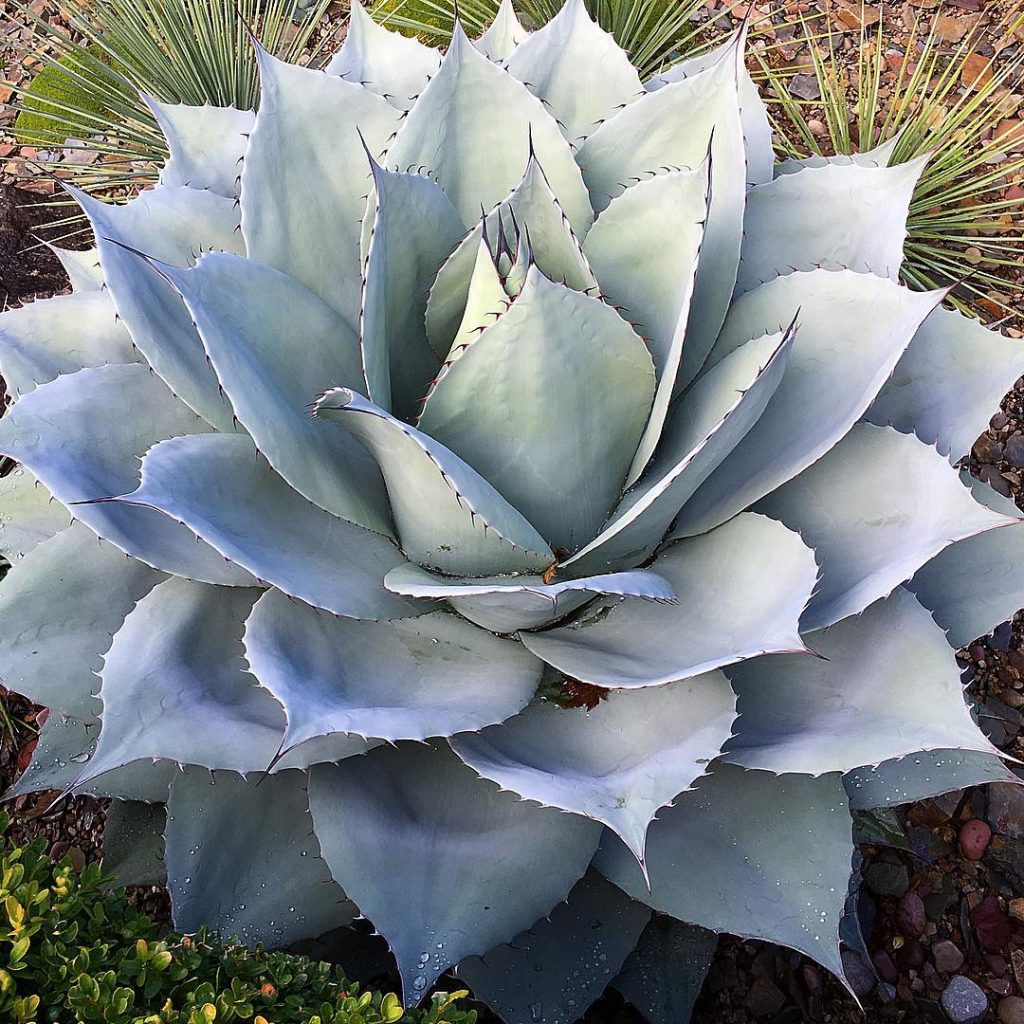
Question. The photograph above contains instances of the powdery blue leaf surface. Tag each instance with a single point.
(751, 853)
(448, 516)
(46, 338)
(643, 250)
(880, 156)
(618, 762)
(783, 229)
(886, 685)
(503, 35)
(582, 75)
(949, 382)
(975, 584)
(274, 345)
(172, 225)
(304, 184)
(241, 857)
(531, 208)
(741, 590)
(556, 969)
(175, 688)
(415, 227)
(757, 128)
(82, 267)
(923, 775)
(387, 63)
(29, 514)
(477, 151)
(60, 606)
(216, 485)
(875, 509)
(206, 144)
(644, 139)
(717, 412)
(468, 867)
(433, 675)
(133, 843)
(559, 388)
(505, 604)
(663, 976)
(80, 456)
(852, 330)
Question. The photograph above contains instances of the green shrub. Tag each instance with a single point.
(72, 951)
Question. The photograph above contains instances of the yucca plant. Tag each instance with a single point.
(961, 223)
(517, 515)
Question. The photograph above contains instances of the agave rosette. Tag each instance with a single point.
(524, 508)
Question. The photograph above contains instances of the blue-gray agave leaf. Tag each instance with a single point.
(133, 843)
(424, 453)
(557, 968)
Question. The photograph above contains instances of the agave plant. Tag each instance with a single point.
(523, 509)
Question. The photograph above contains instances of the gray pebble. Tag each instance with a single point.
(964, 1002)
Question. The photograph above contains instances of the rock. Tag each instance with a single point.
(911, 954)
(987, 450)
(805, 87)
(910, 915)
(975, 835)
(886, 968)
(1017, 909)
(947, 957)
(995, 480)
(764, 998)
(1014, 451)
(1011, 1010)
(963, 1001)
(887, 879)
(1000, 419)
(1006, 808)
(991, 925)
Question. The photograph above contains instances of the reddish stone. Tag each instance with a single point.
(991, 925)
(975, 835)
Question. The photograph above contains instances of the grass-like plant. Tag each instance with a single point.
(942, 102)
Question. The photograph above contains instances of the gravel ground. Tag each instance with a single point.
(942, 910)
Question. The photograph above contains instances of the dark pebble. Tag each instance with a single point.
(887, 879)
(765, 998)
(991, 925)
(910, 915)
(886, 968)
(947, 957)
(1014, 451)
(858, 972)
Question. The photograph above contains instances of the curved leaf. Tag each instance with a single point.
(664, 975)
(734, 856)
(841, 710)
(618, 762)
(172, 225)
(49, 337)
(557, 968)
(559, 388)
(783, 229)
(644, 250)
(757, 128)
(133, 843)
(206, 144)
(713, 418)
(29, 514)
(647, 139)
(305, 169)
(975, 584)
(503, 35)
(949, 382)
(215, 485)
(880, 156)
(532, 208)
(394, 66)
(467, 867)
(505, 604)
(577, 69)
(479, 154)
(235, 867)
(273, 344)
(923, 775)
(853, 328)
(80, 456)
(447, 515)
(741, 590)
(415, 227)
(82, 267)
(875, 509)
(60, 606)
(434, 675)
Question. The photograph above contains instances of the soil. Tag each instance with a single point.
(928, 911)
